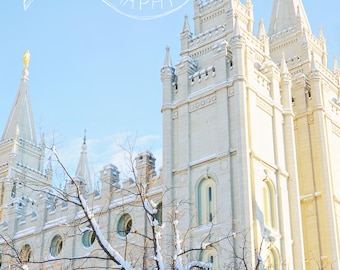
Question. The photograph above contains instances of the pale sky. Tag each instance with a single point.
(93, 68)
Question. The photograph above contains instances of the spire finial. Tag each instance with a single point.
(262, 30)
(237, 31)
(284, 67)
(313, 62)
(186, 27)
(298, 15)
(335, 64)
(83, 172)
(321, 35)
(167, 60)
(84, 136)
(27, 58)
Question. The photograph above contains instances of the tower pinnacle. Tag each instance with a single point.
(167, 59)
(21, 115)
(287, 14)
(83, 172)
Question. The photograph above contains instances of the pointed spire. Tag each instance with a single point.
(237, 30)
(42, 140)
(49, 170)
(83, 170)
(262, 29)
(298, 15)
(321, 35)
(287, 14)
(284, 67)
(186, 27)
(49, 165)
(313, 63)
(304, 37)
(167, 60)
(335, 65)
(21, 115)
(84, 139)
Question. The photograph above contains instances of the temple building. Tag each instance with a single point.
(251, 132)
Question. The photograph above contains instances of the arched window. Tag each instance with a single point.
(2, 193)
(124, 225)
(206, 201)
(26, 253)
(56, 245)
(209, 255)
(269, 204)
(88, 237)
(272, 260)
(159, 214)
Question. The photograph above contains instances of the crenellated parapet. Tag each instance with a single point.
(208, 14)
(49, 208)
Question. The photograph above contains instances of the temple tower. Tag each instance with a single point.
(314, 93)
(21, 157)
(229, 139)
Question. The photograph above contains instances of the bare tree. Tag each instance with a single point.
(120, 246)
(141, 248)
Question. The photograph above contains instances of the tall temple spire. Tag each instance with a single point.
(83, 172)
(287, 14)
(186, 27)
(167, 59)
(21, 116)
(261, 30)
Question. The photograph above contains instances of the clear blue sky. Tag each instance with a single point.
(96, 69)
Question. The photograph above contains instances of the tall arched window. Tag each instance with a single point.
(209, 255)
(88, 237)
(56, 245)
(159, 213)
(26, 253)
(269, 204)
(206, 201)
(124, 225)
(272, 260)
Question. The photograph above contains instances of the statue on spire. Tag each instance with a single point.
(26, 58)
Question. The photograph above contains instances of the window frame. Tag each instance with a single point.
(26, 253)
(124, 225)
(88, 237)
(56, 245)
(206, 200)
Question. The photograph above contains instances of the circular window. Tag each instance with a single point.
(88, 237)
(56, 245)
(124, 225)
(25, 253)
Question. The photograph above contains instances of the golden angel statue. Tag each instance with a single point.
(27, 57)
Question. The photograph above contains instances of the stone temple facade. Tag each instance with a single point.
(251, 132)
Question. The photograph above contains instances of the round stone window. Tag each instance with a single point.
(124, 225)
(88, 237)
(56, 245)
